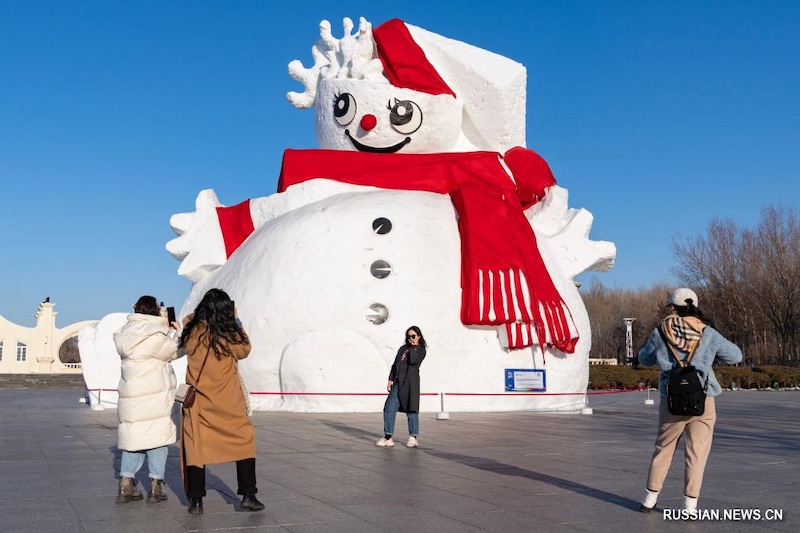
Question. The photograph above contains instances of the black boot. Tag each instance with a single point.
(195, 505)
(251, 503)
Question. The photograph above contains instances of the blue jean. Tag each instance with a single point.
(156, 462)
(390, 409)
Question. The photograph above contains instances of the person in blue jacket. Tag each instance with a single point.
(687, 331)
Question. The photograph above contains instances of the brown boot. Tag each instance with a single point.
(157, 492)
(128, 491)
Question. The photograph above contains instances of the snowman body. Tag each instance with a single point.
(333, 274)
(310, 288)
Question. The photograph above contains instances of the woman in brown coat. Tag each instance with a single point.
(216, 429)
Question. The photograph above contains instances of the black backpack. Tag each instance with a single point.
(686, 394)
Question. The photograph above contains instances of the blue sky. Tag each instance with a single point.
(657, 116)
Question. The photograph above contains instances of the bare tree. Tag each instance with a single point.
(748, 281)
(775, 276)
(713, 265)
(608, 307)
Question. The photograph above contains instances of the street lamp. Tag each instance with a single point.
(628, 340)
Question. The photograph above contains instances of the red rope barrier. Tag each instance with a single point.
(259, 393)
(511, 394)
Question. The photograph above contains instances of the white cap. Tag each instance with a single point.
(681, 296)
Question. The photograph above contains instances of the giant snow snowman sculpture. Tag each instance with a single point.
(421, 209)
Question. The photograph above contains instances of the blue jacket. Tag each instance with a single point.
(713, 348)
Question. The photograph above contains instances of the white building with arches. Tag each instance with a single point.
(41, 349)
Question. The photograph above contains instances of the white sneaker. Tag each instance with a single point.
(689, 503)
(649, 501)
(385, 443)
(412, 442)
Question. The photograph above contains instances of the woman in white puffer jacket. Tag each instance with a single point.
(146, 344)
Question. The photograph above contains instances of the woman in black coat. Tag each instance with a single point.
(404, 388)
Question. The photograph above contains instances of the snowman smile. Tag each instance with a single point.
(378, 150)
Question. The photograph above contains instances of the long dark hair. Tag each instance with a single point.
(216, 311)
(416, 330)
(691, 310)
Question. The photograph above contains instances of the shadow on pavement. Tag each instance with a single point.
(490, 465)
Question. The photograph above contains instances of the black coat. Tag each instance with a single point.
(406, 375)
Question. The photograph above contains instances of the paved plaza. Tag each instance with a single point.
(502, 472)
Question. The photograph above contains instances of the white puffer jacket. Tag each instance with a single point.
(147, 386)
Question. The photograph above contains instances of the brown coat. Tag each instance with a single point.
(216, 429)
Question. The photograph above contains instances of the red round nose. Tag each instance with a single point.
(368, 122)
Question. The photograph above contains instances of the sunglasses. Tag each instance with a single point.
(412, 336)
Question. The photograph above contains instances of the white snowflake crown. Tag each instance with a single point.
(353, 56)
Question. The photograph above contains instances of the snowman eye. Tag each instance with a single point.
(405, 116)
(344, 108)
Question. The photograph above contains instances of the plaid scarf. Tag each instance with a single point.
(683, 333)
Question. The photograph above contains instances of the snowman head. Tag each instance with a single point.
(379, 91)
(377, 117)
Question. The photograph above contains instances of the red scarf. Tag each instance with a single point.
(504, 280)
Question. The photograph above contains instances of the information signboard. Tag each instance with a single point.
(525, 380)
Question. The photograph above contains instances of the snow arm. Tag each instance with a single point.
(566, 232)
(208, 236)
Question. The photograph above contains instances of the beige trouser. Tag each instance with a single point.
(699, 431)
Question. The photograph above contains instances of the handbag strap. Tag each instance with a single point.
(201, 370)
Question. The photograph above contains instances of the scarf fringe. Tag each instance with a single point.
(504, 298)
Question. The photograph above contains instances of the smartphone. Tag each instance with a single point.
(170, 315)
